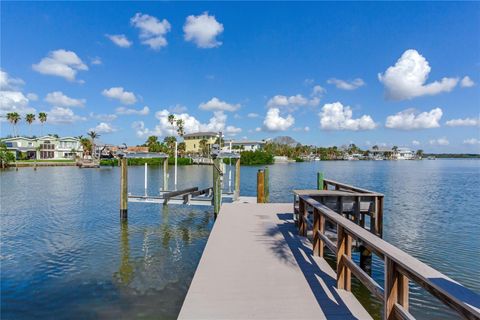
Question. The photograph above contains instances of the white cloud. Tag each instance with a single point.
(14, 101)
(306, 129)
(440, 142)
(8, 83)
(103, 127)
(59, 115)
(203, 30)
(410, 119)
(120, 94)
(346, 85)
(466, 82)
(308, 81)
(58, 99)
(416, 142)
(334, 116)
(191, 124)
(120, 40)
(253, 115)
(178, 108)
(274, 122)
(32, 96)
(96, 61)
(406, 79)
(126, 111)
(467, 122)
(318, 90)
(216, 104)
(471, 141)
(291, 103)
(103, 117)
(152, 30)
(61, 63)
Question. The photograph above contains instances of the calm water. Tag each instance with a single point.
(64, 253)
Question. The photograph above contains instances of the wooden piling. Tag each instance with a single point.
(267, 184)
(217, 188)
(123, 189)
(320, 185)
(237, 178)
(261, 186)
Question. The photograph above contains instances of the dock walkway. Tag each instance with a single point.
(255, 266)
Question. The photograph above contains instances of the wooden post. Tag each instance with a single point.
(341, 247)
(237, 178)
(165, 174)
(320, 184)
(267, 186)
(260, 186)
(356, 215)
(379, 217)
(123, 189)
(318, 227)
(217, 191)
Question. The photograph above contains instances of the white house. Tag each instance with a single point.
(245, 145)
(44, 148)
(404, 154)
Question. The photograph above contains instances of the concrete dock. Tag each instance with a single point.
(255, 266)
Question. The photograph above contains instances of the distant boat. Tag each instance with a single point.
(431, 158)
(316, 159)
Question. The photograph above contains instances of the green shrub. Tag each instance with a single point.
(255, 157)
(297, 159)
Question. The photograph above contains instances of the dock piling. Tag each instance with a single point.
(123, 189)
(320, 185)
(237, 178)
(267, 184)
(146, 178)
(261, 186)
(217, 188)
(165, 174)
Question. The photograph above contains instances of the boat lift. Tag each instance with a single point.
(211, 196)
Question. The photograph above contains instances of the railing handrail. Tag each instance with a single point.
(348, 187)
(450, 292)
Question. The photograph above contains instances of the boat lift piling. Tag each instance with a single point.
(211, 196)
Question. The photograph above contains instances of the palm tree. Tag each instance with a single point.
(180, 127)
(42, 116)
(14, 118)
(171, 119)
(93, 135)
(419, 153)
(30, 117)
(86, 145)
(375, 147)
(170, 142)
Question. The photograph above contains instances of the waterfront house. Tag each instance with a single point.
(44, 148)
(193, 141)
(245, 145)
(381, 153)
(405, 154)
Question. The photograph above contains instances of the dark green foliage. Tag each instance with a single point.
(255, 157)
(297, 159)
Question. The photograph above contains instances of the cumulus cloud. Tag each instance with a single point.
(61, 63)
(125, 111)
(335, 116)
(58, 99)
(103, 117)
(9, 83)
(59, 115)
(203, 30)
(120, 40)
(410, 119)
(439, 142)
(467, 122)
(178, 108)
(407, 78)
(466, 82)
(216, 123)
(416, 142)
(471, 141)
(253, 115)
(103, 127)
(32, 96)
(346, 85)
(120, 94)
(152, 30)
(217, 104)
(96, 61)
(318, 90)
(274, 122)
(14, 101)
(291, 103)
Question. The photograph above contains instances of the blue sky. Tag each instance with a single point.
(323, 73)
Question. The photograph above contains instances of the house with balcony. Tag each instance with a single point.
(193, 141)
(44, 148)
(245, 145)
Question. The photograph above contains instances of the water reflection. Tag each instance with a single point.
(125, 272)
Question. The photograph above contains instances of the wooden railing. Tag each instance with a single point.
(400, 267)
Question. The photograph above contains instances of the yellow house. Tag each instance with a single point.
(192, 141)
